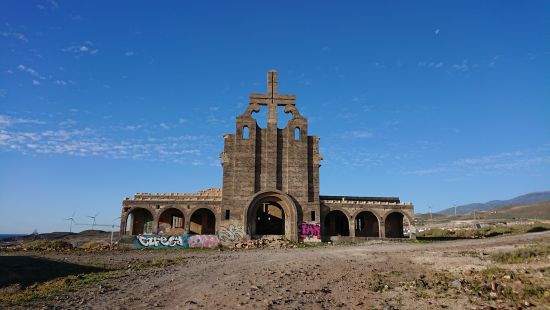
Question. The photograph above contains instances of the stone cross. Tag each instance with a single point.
(272, 99)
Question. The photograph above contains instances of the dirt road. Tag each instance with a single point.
(376, 274)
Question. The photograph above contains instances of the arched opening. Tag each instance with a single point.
(171, 222)
(273, 215)
(394, 225)
(246, 133)
(336, 224)
(366, 225)
(140, 221)
(269, 218)
(297, 134)
(203, 222)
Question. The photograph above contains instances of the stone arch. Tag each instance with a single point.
(279, 200)
(367, 224)
(202, 222)
(394, 223)
(171, 221)
(336, 223)
(140, 221)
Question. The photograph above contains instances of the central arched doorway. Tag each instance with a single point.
(270, 219)
(272, 214)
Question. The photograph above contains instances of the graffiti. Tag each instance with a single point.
(310, 232)
(155, 241)
(203, 241)
(176, 241)
(232, 233)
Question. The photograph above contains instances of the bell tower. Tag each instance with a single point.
(279, 160)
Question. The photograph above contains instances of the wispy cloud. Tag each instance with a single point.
(359, 134)
(493, 61)
(129, 53)
(65, 139)
(17, 35)
(431, 64)
(9, 121)
(84, 48)
(492, 163)
(31, 72)
(463, 66)
(437, 31)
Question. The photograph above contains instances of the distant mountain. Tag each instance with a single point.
(527, 199)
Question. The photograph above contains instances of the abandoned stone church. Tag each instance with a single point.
(270, 189)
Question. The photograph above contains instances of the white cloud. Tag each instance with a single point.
(35, 82)
(86, 47)
(184, 149)
(493, 61)
(360, 134)
(462, 66)
(500, 162)
(129, 53)
(68, 123)
(60, 82)
(182, 120)
(8, 121)
(430, 64)
(164, 126)
(17, 35)
(31, 72)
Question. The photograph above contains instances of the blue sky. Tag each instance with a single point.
(436, 102)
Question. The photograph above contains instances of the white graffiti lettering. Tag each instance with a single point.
(171, 241)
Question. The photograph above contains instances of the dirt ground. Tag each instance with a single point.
(373, 275)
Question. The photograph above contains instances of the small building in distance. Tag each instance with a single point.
(270, 190)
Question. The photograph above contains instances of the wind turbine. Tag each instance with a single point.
(71, 219)
(93, 218)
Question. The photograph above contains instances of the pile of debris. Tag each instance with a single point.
(264, 243)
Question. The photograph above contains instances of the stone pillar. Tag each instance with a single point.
(351, 227)
(382, 228)
(186, 224)
(155, 225)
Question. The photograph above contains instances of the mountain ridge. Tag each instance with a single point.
(525, 199)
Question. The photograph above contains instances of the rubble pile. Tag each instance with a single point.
(264, 243)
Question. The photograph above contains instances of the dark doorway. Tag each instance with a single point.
(394, 225)
(141, 222)
(336, 224)
(366, 225)
(171, 222)
(203, 222)
(270, 219)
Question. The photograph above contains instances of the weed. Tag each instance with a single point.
(522, 255)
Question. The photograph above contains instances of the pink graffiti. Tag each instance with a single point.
(311, 230)
(203, 241)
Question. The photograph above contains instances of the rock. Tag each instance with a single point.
(326, 290)
(456, 284)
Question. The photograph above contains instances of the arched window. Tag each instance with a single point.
(297, 134)
(246, 132)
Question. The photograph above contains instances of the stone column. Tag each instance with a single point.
(352, 227)
(382, 228)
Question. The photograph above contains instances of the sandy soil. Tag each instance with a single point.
(375, 274)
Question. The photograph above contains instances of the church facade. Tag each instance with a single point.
(270, 190)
